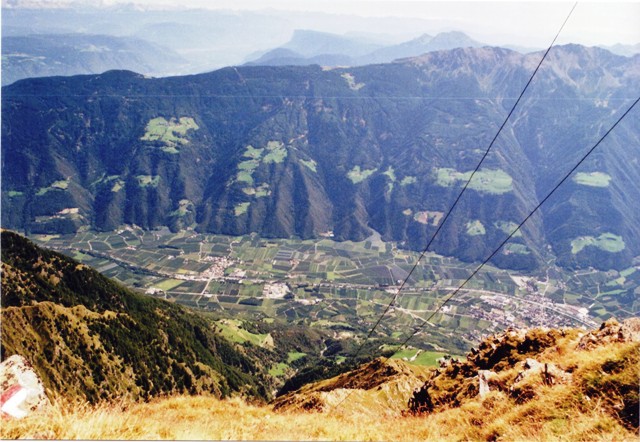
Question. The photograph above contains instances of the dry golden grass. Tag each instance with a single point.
(588, 407)
(205, 418)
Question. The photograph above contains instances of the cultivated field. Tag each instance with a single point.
(345, 286)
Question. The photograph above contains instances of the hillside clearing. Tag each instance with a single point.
(593, 179)
(607, 242)
(488, 181)
(357, 176)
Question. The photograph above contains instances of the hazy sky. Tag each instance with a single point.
(528, 24)
(532, 23)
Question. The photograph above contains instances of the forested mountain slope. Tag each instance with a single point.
(306, 151)
(92, 339)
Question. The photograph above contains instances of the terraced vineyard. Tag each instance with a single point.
(345, 286)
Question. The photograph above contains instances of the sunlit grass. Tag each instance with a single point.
(311, 165)
(241, 208)
(584, 407)
(486, 180)
(607, 242)
(170, 132)
(357, 176)
(475, 228)
(148, 180)
(592, 179)
(276, 152)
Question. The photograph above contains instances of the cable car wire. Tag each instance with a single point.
(464, 188)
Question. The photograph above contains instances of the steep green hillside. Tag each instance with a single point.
(305, 151)
(90, 338)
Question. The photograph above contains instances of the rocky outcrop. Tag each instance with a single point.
(484, 376)
(612, 331)
(483, 371)
(22, 390)
(533, 375)
(524, 365)
(380, 386)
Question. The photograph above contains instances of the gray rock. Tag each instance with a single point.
(484, 376)
(612, 331)
(549, 373)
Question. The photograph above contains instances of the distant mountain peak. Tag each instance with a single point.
(310, 43)
(452, 34)
(307, 33)
(451, 40)
(423, 39)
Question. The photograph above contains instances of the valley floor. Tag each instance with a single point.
(207, 418)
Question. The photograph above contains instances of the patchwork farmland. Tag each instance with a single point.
(346, 286)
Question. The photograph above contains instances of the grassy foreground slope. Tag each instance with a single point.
(207, 418)
(556, 416)
(589, 394)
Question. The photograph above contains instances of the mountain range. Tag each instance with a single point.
(43, 55)
(312, 47)
(309, 152)
(189, 33)
(263, 208)
(263, 37)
